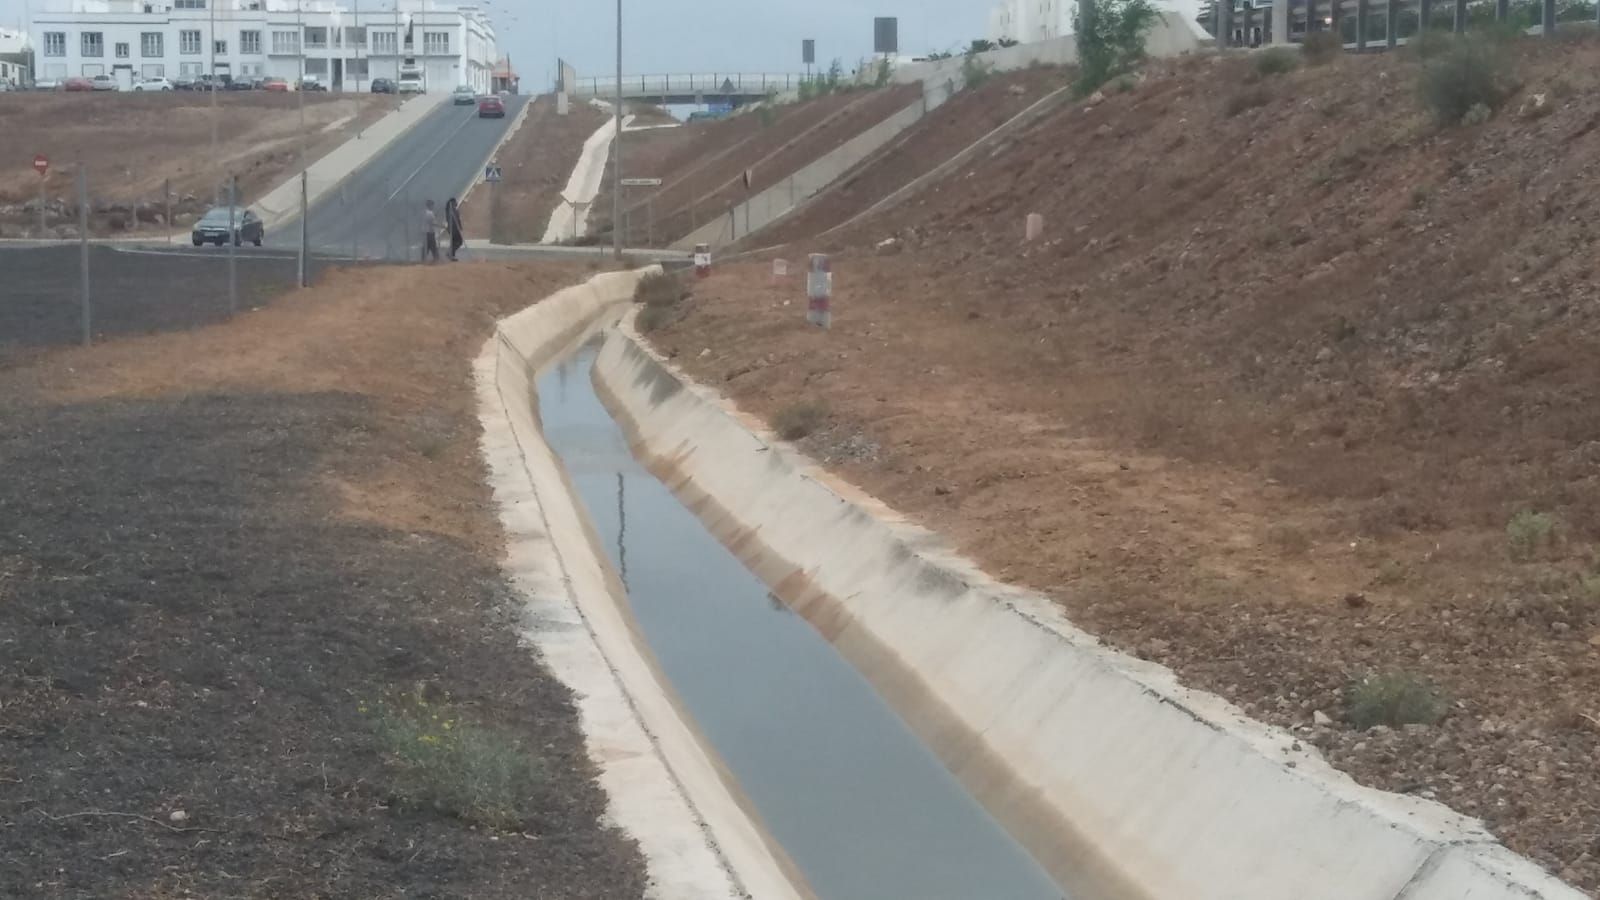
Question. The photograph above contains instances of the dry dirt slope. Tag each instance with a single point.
(1296, 389)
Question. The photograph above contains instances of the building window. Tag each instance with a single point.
(190, 70)
(152, 45)
(316, 38)
(383, 42)
(92, 44)
(189, 4)
(189, 42)
(55, 43)
(220, 48)
(317, 67)
(355, 37)
(152, 70)
(285, 42)
(436, 43)
(355, 68)
(122, 51)
(90, 70)
(250, 42)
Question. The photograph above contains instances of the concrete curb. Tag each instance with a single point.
(583, 185)
(1120, 781)
(664, 788)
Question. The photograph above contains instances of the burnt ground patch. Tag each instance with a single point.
(131, 293)
(187, 623)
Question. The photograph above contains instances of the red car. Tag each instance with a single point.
(274, 84)
(491, 107)
(77, 83)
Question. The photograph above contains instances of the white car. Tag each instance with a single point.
(105, 83)
(153, 84)
(410, 86)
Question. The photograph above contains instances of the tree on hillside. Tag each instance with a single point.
(1111, 42)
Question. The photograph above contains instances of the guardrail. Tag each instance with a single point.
(697, 83)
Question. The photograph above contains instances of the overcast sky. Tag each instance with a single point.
(705, 35)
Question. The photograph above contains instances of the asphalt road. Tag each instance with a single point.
(377, 212)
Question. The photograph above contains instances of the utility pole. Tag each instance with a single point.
(212, 6)
(233, 246)
(83, 251)
(616, 151)
(305, 213)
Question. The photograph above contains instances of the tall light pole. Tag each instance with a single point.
(212, 6)
(616, 151)
(305, 175)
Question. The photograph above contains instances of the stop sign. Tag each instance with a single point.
(40, 164)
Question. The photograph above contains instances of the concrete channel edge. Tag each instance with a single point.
(665, 789)
(1119, 780)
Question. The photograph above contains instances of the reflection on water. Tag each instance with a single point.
(863, 808)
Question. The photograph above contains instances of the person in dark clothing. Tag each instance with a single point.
(452, 221)
(430, 233)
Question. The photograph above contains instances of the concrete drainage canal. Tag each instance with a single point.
(861, 807)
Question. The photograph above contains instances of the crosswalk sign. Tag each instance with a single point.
(491, 173)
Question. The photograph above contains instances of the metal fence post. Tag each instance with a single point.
(305, 233)
(42, 202)
(233, 248)
(83, 250)
(167, 197)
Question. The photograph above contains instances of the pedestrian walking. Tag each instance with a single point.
(452, 221)
(430, 233)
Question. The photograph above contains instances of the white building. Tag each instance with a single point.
(1026, 21)
(13, 57)
(344, 45)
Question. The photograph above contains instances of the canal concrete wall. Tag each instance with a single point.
(1120, 781)
(665, 790)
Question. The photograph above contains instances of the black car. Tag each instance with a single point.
(213, 227)
(383, 86)
(241, 84)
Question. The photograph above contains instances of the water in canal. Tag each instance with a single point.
(861, 806)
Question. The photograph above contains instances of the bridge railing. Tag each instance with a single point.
(696, 83)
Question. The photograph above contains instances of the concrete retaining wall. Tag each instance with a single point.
(1123, 783)
(665, 790)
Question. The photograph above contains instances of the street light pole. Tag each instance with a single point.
(305, 175)
(212, 6)
(616, 151)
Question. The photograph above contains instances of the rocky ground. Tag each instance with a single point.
(252, 622)
(1295, 395)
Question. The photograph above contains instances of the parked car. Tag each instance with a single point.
(383, 85)
(153, 84)
(311, 83)
(410, 86)
(277, 85)
(242, 84)
(491, 107)
(47, 84)
(77, 83)
(183, 83)
(213, 227)
(105, 83)
(463, 96)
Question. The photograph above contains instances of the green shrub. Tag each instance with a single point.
(450, 766)
(1276, 61)
(660, 289)
(1430, 44)
(1321, 47)
(653, 318)
(1111, 43)
(884, 72)
(974, 72)
(1528, 533)
(1395, 699)
(797, 420)
(1470, 74)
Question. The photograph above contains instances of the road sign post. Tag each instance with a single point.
(83, 250)
(233, 248)
(492, 175)
(42, 166)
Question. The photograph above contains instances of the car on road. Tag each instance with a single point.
(276, 85)
(153, 84)
(77, 83)
(213, 227)
(491, 107)
(383, 86)
(105, 83)
(464, 96)
(311, 83)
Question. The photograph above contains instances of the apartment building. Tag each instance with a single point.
(15, 58)
(345, 44)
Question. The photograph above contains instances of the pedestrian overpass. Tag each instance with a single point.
(714, 88)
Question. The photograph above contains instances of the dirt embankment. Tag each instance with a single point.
(535, 165)
(254, 637)
(1297, 388)
(131, 144)
(948, 130)
(703, 167)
